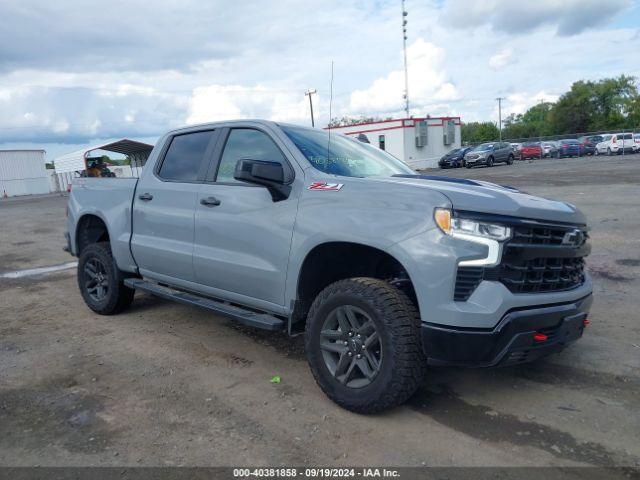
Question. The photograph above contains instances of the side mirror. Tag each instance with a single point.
(268, 174)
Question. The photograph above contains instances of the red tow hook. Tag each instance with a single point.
(539, 337)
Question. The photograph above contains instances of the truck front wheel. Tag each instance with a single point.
(100, 281)
(363, 344)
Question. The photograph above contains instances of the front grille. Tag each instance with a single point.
(537, 235)
(539, 274)
(534, 260)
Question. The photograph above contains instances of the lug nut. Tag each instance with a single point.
(349, 353)
(351, 334)
(358, 356)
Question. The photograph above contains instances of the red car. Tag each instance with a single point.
(531, 150)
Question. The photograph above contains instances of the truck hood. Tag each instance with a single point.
(486, 197)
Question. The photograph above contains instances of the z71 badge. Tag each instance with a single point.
(333, 187)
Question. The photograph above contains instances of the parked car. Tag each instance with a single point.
(531, 150)
(517, 149)
(489, 154)
(283, 228)
(454, 159)
(549, 148)
(621, 142)
(602, 145)
(588, 144)
(636, 138)
(568, 148)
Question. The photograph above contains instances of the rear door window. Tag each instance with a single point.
(185, 157)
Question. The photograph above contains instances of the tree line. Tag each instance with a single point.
(589, 106)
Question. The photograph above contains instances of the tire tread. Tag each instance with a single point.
(398, 314)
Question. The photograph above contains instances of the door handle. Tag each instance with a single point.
(210, 202)
(145, 197)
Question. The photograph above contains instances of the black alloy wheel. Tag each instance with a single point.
(96, 279)
(351, 346)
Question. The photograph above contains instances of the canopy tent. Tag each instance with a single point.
(72, 164)
(138, 152)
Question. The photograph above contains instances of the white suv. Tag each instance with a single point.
(620, 142)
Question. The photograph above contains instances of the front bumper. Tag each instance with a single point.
(511, 341)
(449, 163)
(475, 161)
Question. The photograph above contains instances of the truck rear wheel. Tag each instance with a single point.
(363, 345)
(100, 281)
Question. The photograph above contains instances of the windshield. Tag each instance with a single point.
(344, 156)
(483, 147)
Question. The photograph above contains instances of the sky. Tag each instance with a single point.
(75, 73)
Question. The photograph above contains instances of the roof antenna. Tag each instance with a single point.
(330, 105)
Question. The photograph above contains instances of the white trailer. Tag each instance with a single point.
(23, 172)
(419, 142)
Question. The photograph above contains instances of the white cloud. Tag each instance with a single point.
(520, 102)
(501, 59)
(428, 81)
(229, 102)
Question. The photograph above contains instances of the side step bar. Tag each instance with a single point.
(239, 314)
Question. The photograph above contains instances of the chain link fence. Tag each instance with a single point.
(518, 142)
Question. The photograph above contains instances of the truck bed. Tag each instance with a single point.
(111, 200)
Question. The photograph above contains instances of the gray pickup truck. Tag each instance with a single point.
(295, 229)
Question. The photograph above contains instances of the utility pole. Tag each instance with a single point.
(308, 93)
(499, 99)
(404, 49)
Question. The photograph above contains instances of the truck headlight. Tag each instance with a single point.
(489, 234)
(456, 226)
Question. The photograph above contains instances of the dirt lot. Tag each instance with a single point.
(165, 384)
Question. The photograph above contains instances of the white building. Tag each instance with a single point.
(23, 172)
(419, 142)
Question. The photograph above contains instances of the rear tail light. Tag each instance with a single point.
(586, 322)
(539, 337)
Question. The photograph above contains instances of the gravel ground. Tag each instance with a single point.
(165, 384)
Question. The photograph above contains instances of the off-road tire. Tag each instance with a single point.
(118, 297)
(403, 364)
